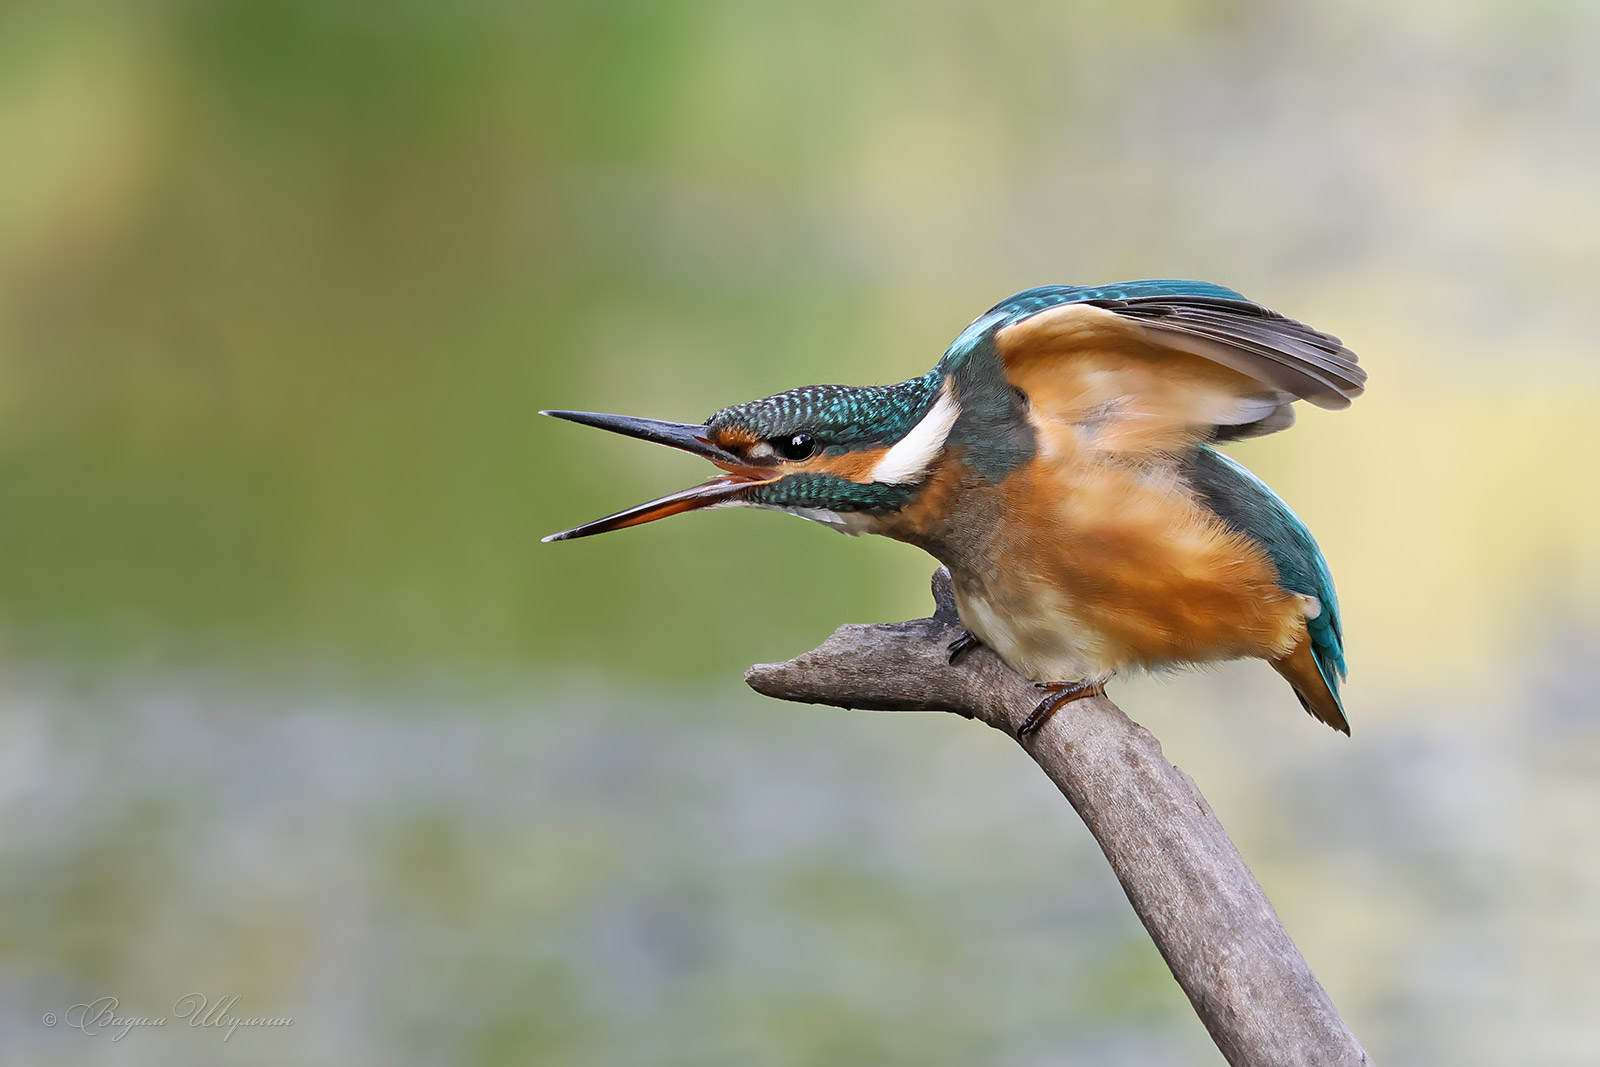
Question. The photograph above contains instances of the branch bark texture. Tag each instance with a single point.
(1185, 879)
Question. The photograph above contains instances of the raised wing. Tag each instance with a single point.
(1158, 365)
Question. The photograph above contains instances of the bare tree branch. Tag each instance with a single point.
(1201, 905)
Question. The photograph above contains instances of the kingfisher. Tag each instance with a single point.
(1061, 461)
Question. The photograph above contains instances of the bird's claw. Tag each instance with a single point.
(961, 644)
(1060, 694)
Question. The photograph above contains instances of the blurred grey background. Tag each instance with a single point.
(294, 707)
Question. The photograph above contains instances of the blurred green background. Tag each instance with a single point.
(297, 708)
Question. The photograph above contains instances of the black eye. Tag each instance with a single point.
(800, 446)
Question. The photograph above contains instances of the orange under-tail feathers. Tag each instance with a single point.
(1299, 667)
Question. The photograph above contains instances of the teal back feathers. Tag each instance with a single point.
(1032, 301)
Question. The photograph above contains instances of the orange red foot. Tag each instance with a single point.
(1060, 694)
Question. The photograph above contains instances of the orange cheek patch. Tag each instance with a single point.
(854, 466)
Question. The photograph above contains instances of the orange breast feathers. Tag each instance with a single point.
(1136, 572)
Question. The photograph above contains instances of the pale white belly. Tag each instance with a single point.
(1043, 638)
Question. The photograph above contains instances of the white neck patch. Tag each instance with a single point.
(908, 460)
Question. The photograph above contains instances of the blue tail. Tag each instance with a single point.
(1245, 503)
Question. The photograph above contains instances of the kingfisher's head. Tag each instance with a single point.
(834, 454)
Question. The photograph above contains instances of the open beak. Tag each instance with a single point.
(696, 439)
